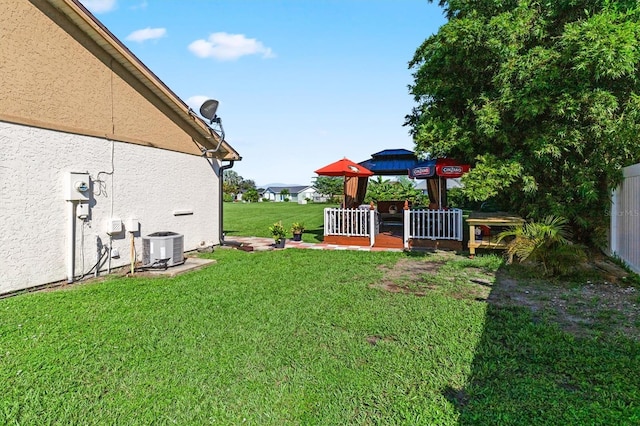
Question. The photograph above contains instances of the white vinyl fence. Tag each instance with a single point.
(625, 219)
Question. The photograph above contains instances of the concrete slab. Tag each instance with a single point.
(262, 244)
(190, 264)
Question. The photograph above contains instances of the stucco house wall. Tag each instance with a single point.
(140, 182)
(73, 98)
(56, 75)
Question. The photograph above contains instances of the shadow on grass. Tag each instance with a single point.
(317, 234)
(527, 371)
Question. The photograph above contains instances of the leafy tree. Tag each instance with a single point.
(541, 96)
(251, 195)
(247, 184)
(380, 189)
(329, 185)
(285, 194)
(233, 183)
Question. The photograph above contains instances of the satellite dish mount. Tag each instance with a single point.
(208, 111)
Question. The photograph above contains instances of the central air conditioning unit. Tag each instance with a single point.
(163, 249)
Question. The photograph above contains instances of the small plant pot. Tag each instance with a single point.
(297, 237)
(280, 243)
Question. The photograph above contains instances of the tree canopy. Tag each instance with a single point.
(329, 185)
(380, 189)
(541, 97)
(233, 183)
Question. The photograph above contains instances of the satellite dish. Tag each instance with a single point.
(208, 109)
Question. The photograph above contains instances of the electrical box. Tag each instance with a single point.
(77, 187)
(82, 210)
(133, 225)
(114, 226)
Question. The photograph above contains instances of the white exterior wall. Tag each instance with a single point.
(147, 183)
(625, 219)
(269, 195)
(309, 193)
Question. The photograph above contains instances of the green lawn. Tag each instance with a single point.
(254, 219)
(304, 337)
(312, 337)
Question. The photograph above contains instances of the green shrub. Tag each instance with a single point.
(251, 195)
(546, 243)
(277, 231)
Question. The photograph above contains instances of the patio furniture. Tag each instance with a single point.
(391, 212)
(488, 225)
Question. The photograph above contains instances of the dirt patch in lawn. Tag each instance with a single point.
(605, 302)
(590, 308)
(409, 276)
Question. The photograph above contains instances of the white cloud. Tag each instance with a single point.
(229, 47)
(142, 5)
(195, 102)
(147, 34)
(99, 6)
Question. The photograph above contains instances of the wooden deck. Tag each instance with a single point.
(389, 239)
(425, 229)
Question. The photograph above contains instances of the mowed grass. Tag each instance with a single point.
(304, 337)
(254, 219)
(307, 337)
(268, 338)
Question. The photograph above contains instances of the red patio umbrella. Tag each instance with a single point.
(344, 167)
(355, 180)
(436, 171)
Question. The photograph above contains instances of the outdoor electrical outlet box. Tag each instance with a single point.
(82, 210)
(114, 226)
(133, 225)
(77, 186)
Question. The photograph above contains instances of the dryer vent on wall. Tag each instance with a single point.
(163, 249)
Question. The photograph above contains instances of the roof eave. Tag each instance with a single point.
(81, 17)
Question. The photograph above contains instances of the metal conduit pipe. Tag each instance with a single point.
(71, 241)
(220, 191)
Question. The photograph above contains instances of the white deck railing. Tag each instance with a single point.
(418, 224)
(433, 224)
(348, 222)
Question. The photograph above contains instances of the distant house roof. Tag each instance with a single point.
(292, 189)
(391, 162)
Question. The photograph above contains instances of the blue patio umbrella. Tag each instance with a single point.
(423, 170)
(435, 171)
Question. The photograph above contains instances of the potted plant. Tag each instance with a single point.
(296, 229)
(278, 232)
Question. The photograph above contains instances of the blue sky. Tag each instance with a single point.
(301, 83)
